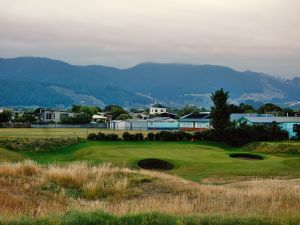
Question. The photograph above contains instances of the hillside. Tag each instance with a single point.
(59, 83)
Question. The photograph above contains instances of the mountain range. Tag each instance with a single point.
(36, 81)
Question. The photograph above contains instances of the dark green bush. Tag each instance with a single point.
(92, 136)
(111, 137)
(101, 136)
(151, 136)
(133, 137)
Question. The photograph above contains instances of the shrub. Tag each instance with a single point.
(139, 137)
(151, 136)
(126, 136)
(111, 137)
(101, 136)
(133, 137)
(92, 136)
(198, 136)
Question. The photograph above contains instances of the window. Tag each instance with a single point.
(296, 127)
(63, 115)
(48, 116)
(155, 110)
(161, 110)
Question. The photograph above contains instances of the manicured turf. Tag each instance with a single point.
(193, 161)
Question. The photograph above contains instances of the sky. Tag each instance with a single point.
(257, 35)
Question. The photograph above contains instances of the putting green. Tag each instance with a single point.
(193, 161)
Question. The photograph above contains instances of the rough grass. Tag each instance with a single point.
(57, 132)
(28, 189)
(98, 217)
(34, 144)
(285, 147)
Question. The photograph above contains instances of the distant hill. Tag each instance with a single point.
(47, 82)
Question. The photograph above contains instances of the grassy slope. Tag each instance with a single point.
(6, 155)
(192, 161)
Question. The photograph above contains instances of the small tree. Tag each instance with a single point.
(220, 114)
(5, 116)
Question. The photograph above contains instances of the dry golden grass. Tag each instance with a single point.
(30, 189)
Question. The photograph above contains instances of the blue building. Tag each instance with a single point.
(195, 122)
(162, 123)
(286, 123)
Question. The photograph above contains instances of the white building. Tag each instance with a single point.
(157, 109)
(119, 125)
(99, 118)
(51, 115)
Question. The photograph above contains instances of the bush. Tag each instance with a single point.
(198, 136)
(111, 137)
(139, 137)
(101, 136)
(151, 136)
(126, 136)
(244, 134)
(133, 137)
(92, 136)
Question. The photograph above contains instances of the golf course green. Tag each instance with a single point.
(192, 161)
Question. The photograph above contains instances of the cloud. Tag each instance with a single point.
(244, 34)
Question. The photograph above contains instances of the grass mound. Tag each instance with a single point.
(246, 156)
(155, 164)
(285, 147)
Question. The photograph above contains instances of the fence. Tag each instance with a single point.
(90, 125)
(14, 125)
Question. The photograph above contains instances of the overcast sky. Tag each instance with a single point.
(258, 35)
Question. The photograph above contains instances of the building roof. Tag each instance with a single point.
(238, 116)
(99, 117)
(161, 119)
(195, 116)
(118, 121)
(258, 119)
(158, 106)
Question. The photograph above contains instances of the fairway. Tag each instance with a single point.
(57, 132)
(192, 161)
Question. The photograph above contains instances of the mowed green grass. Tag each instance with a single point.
(193, 161)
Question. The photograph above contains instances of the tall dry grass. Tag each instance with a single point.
(30, 189)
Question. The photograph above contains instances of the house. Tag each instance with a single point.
(99, 118)
(157, 109)
(195, 121)
(51, 115)
(238, 116)
(138, 124)
(286, 123)
(162, 123)
(167, 114)
(119, 125)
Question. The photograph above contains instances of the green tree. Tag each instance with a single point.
(89, 110)
(270, 108)
(5, 116)
(25, 118)
(220, 114)
(234, 108)
(245, 108)
(114, 111)
(188, 109)
(124, 117)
